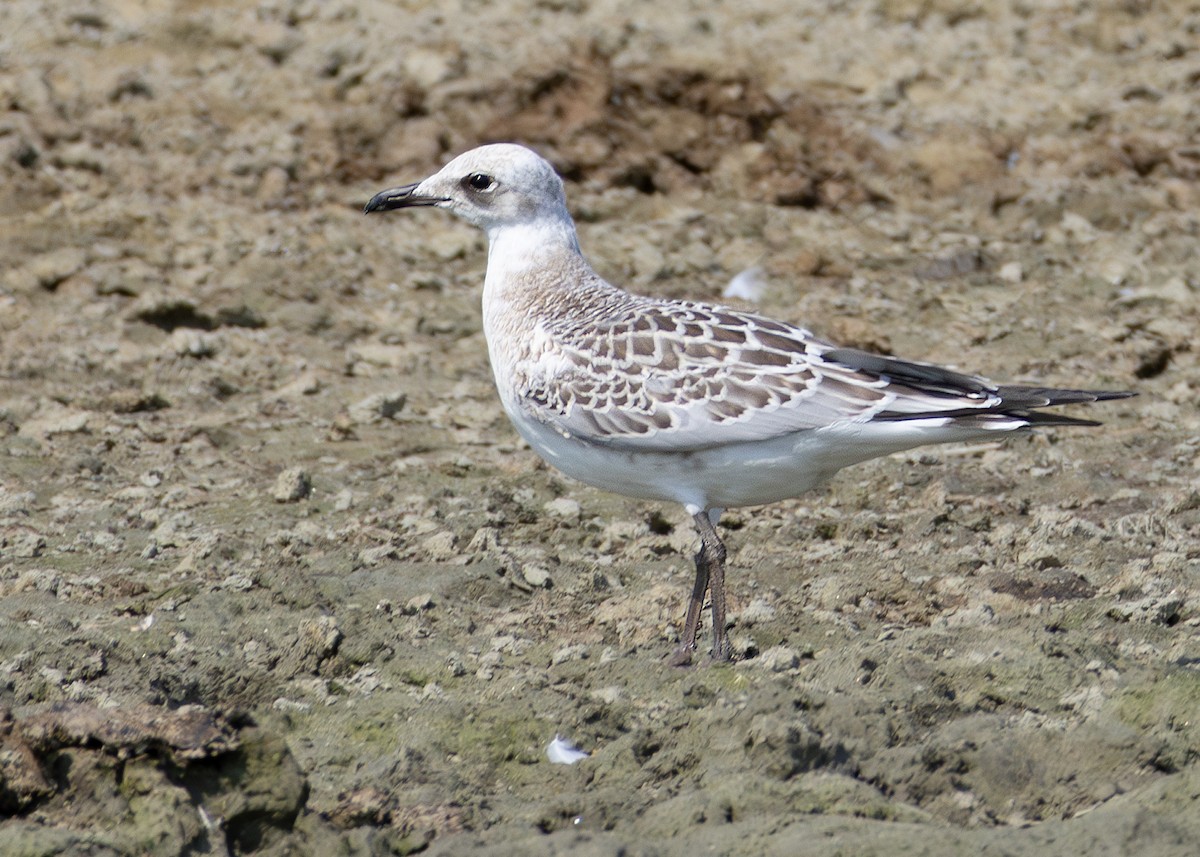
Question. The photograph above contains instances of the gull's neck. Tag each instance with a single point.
(536, 275)
(514, 247)
(523, 258)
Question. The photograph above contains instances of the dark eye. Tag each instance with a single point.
(479, 181)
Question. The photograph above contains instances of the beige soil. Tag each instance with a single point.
(277, 577)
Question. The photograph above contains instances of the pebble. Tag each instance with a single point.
(188, 342)
(441, 546)
(305, 384)
(577, 652)
(55, 419)
(756, 612)
(418, 603)
(485, 541)
(376, 555)
(378, 406)
(49, 269)
(537, 577)
(779, 659)
(1011, 272)
(609, 695)
(292, 485)
(563, 507)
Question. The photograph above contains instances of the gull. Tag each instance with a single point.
(684, 401)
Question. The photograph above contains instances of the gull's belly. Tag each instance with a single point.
(744, 474)
(726, 476)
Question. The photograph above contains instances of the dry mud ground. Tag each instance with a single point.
(276, 576)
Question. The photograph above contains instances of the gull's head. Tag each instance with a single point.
(492, 187)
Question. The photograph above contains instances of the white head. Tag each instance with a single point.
(493, 187)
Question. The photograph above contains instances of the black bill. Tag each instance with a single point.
(400, 197)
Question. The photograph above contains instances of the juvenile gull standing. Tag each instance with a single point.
(701, 404)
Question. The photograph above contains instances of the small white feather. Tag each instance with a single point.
(747, 285)
(563, 752)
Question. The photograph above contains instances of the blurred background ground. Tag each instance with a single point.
(276, 577)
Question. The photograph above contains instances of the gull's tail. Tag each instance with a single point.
(1022, 403)
(977, 399)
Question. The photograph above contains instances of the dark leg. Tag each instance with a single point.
(714, 549)
(682, 656)
(710, 573)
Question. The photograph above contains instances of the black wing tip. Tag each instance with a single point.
(963, 416)
(1111, 395)
(940, 381)
(1020, 396)
(928, 377)
(1022, 403)
(1040, 419)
